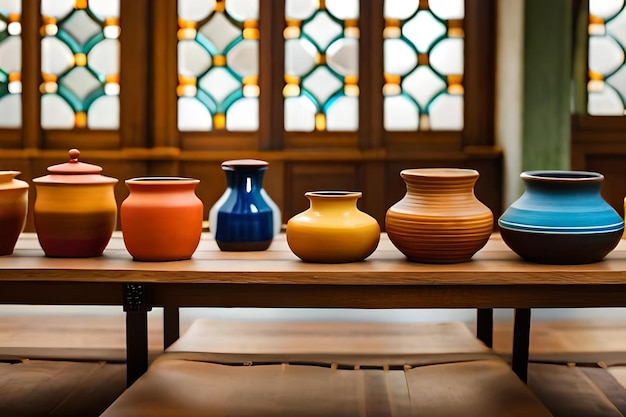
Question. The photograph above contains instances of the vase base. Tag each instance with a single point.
(244, 246)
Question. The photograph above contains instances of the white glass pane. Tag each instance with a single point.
(400, 114)
(343, 9)
(104, 113)
(322, 84)
(243, 9)
(447, 56)
(423, 29)
(399, 58)
(299, 114)
(220, 31)
(422, 84)
(446, 113)
(322, 29)
(11, 111)
(11, 6)
(300, 9)
(195, 10)
(243, 115)
(57, 8)
(343, 56)
(56, 113)
(81, 82)
(447, 9)
(605, 54)
(56, 56)
(605, 8)
(343, 114)
(400, 9)
(605, 103)
(244, 58)
(219, 83)
(11, 54)
(617, 28)
(104, 57)
(193, 115)
(299, 57)
(618, 81)
(105, 8)
(193, 60)
(81, 27)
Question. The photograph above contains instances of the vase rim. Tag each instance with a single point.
(162, 180)
(562, 176)
(440, 172)
(254, 164)
(333, 194)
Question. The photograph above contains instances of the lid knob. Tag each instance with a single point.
(74, 154)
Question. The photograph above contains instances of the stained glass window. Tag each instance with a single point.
(321, 65)
(80, 64)
(10, 64)
(218, 87)
(607, 68)
(423, 65)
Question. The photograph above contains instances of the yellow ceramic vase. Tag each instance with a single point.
(333, 229)
(13, 209)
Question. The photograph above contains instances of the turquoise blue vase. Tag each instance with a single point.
(561, 219)
(244, 218)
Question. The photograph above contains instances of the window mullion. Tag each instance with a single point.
(31, 75)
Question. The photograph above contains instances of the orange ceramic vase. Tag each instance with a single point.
(161, 218)
(333, 229)
(439, 220)
(75, 210)
(13, 209)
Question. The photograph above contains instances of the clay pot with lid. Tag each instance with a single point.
(13, 209)
(75, 210)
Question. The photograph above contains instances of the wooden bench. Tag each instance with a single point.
(327, 369)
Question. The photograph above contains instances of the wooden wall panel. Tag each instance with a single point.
(614, 186)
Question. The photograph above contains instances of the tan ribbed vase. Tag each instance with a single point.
(439, 220)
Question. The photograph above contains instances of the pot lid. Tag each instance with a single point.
(245, 164)
(75, 172)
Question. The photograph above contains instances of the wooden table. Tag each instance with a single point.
(495, 278)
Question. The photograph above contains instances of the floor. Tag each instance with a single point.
(93, 341)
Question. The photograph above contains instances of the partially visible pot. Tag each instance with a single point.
(13, 210)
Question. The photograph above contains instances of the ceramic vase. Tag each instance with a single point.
(75, 210)
(561, 218)
(13, 210)
(439, 219)
(332, 229)
(161, 218)
(244, 218)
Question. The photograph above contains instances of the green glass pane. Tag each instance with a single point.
(80, 66)
(423, 65)
(218, 65)
(321, 66)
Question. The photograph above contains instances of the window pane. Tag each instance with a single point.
(423, 65)
(607, 70)
(321, 65)
(218, 65)
(80, 52)
(10, 64)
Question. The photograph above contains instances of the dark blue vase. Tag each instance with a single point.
(561, 219)
(245, 217)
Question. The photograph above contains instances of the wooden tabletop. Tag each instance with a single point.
(495, 264)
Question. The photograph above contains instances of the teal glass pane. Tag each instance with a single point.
(80, 67)
(218, 55)
(606, 89)
(423, 65)
(10, 64)
(321, 89)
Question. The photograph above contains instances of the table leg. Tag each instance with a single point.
(484, 325)
(521, 342)
(171, 325)
(136, 345)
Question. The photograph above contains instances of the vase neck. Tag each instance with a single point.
(438, 186)
(8, 176)
(249, 181)
(324, 199)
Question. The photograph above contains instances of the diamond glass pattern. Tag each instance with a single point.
(218, 65)
(423, 65)
(10, 64)
(80, 64)
(321, 65)
(606, 89)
